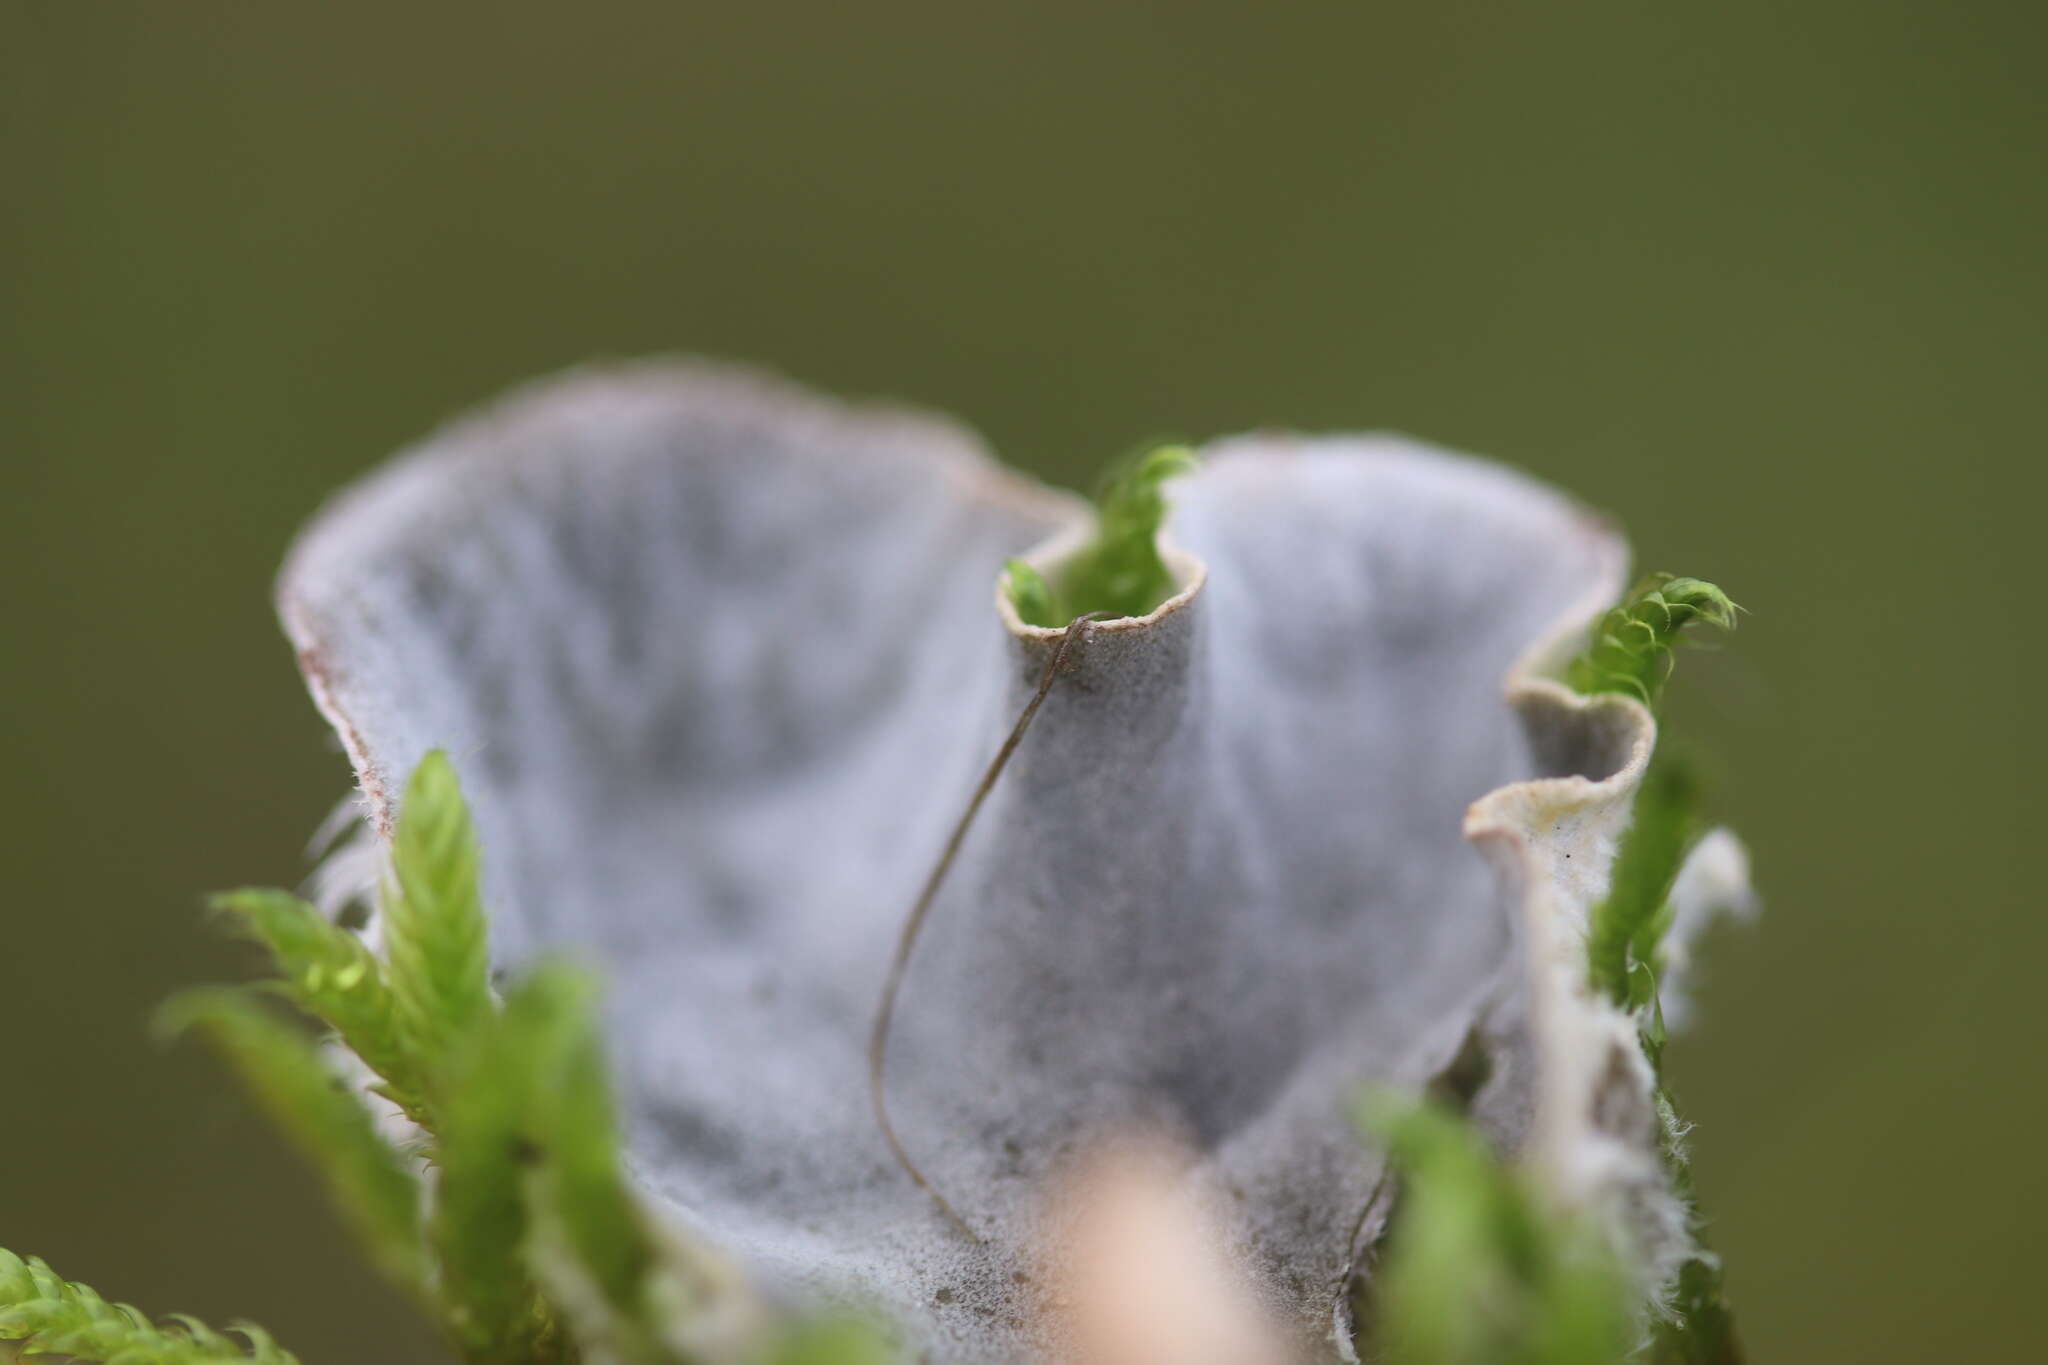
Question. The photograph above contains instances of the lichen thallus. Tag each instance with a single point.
(878, 1041)
(1119, 573)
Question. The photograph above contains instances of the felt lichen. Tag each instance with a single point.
(1229, 853)
(1119, 572)
(1221, 888)
(1481, 1266)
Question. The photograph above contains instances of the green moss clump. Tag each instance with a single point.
(1119, 572)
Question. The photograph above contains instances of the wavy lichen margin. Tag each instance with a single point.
(1490, 1262)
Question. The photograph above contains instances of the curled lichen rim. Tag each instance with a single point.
(1190, 574)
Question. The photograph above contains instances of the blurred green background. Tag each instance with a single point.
(1766, 280)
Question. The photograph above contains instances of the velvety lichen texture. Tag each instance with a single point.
(720, 661)
(1292, 982)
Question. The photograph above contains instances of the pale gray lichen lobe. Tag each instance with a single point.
(718, 664)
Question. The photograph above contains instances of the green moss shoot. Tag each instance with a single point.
(1631, 647)
(1119, 572)
(1479, 1270)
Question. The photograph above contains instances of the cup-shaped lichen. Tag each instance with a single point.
(1304, 814)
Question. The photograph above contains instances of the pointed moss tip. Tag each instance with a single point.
(1631, 646)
